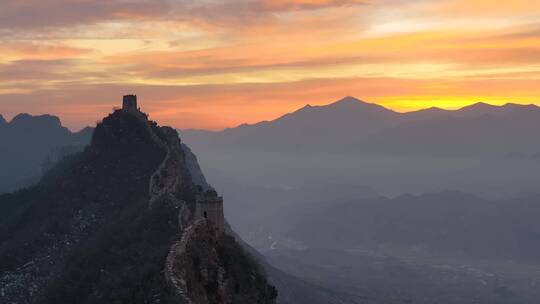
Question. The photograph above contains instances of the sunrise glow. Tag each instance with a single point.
(215, 64)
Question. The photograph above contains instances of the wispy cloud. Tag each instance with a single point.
(32, 14)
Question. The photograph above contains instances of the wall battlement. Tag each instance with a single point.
(210, 207)
(129, 103)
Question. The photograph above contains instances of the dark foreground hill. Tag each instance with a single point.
(116, 223)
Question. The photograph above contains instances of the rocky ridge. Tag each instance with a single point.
(92, 232)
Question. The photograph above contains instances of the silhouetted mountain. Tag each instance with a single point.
(477, 130)
(426, 114)
(351, 140)
(28, 142)
(374, 129)
(117, 223)
(481, 108)
(304, 129)
(476, 110)
(348, 114)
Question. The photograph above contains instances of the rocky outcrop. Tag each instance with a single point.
(208, 269)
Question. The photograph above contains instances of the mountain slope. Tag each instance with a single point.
(344, 114)
(100, 226)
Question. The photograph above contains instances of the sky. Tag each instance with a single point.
(214, 64)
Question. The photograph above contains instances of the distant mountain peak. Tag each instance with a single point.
(486, 108)
(482, 104)
(2, 120)
(348, 100)
(520, 106)
(479, 106)
(25, 119)
(427, 110)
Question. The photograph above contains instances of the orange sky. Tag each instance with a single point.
(218, 63)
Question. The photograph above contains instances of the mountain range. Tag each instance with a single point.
(351, 125)
(350, 141)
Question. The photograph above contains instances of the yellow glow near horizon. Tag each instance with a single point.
(412, 103)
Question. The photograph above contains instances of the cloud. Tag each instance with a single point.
(486, 8)
(450, 53)
(39, 51)
(285, 5)
(20, 70)
(39, 14)
(36, 14)
(527, 32)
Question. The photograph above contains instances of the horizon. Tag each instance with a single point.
(217, 64)
(141, 104)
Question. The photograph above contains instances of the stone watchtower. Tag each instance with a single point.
(129, 103)
(210, 207)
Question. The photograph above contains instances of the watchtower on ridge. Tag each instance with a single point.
(129, 103)
(210, 207)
